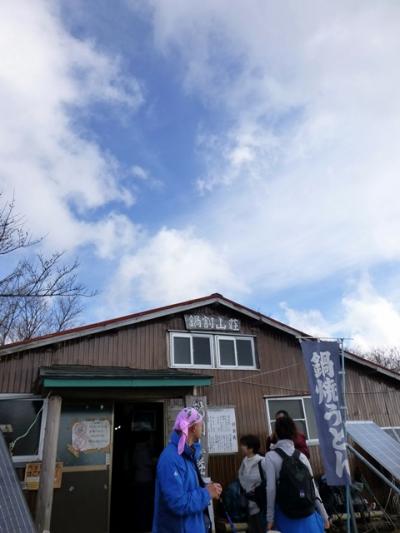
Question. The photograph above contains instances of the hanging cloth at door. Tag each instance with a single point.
(186, 418)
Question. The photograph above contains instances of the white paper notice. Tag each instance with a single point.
(221, 430)
(91, 435)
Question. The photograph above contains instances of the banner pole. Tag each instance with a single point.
(344, 417)
(350, 519)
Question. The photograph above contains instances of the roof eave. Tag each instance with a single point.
(84, 332)
(38, 343)
(173, 309)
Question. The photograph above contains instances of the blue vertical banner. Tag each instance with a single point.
(323, 365)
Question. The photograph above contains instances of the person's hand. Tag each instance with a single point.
(214, 489)
(270, 526)
(327, 524)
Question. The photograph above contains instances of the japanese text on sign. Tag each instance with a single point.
(32, 476)
(322, 362)
(91, 435)
(216, 323)
(222, 432)
(326, 389)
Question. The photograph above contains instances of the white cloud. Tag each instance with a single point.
(304, 181)
(310, 321)
(371, 318)
(368, 317)
(171, 266)
(301, 185)
(57, 175)
(140, 172)
(145, 176)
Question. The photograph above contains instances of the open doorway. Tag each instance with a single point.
(138, 442)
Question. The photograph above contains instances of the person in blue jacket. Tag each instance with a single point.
(182, 498)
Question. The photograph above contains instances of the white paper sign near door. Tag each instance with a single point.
(91, 435)
(222, 430)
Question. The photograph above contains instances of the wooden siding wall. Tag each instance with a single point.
(371, 396)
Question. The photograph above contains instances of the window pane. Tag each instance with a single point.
(293, 407)
(312, 424)
(182, 351)
(227, 352)
(201, 351)
(244, 352)
(18, 415)
(301, 426)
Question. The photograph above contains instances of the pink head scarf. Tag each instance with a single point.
(186, 418)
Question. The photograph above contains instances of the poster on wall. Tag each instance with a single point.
(90, 435)
(222, 430)
(32, 476)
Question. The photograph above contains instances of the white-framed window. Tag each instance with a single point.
(201, 350)
(299, 408)
(22, 422)
(235, 352)
(191, 350)
(393, 431)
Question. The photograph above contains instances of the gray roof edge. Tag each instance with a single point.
(38, 343)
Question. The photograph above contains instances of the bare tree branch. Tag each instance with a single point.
(12, 235)
(387, 356)
(65, 311)
(43, 277)
(40, 294)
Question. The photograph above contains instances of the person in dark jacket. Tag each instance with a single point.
(300, 441)
(182, 498)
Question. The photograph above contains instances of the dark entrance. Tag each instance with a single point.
(81, 505)
(138, 442)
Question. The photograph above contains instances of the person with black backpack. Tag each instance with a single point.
(252, 482)
(293, 501)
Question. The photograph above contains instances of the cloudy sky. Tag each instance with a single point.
(180, 148)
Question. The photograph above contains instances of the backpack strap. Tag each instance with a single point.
(281, 453)
(261, 471)
(230, 521)
(296, 454)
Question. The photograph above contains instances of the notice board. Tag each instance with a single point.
(32, 476)
(222, 430)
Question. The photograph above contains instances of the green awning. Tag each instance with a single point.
(85, 377)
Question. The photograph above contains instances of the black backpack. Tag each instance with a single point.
(295, 492)
(235, 502)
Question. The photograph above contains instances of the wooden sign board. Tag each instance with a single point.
(32, 476)
(212, 323)
(172, 408)
(200, 404)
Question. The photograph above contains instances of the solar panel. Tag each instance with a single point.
(14, 512)
(378, 444)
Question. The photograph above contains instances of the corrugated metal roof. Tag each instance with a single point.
(117, 322)
(107, 325)
(151, 314)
